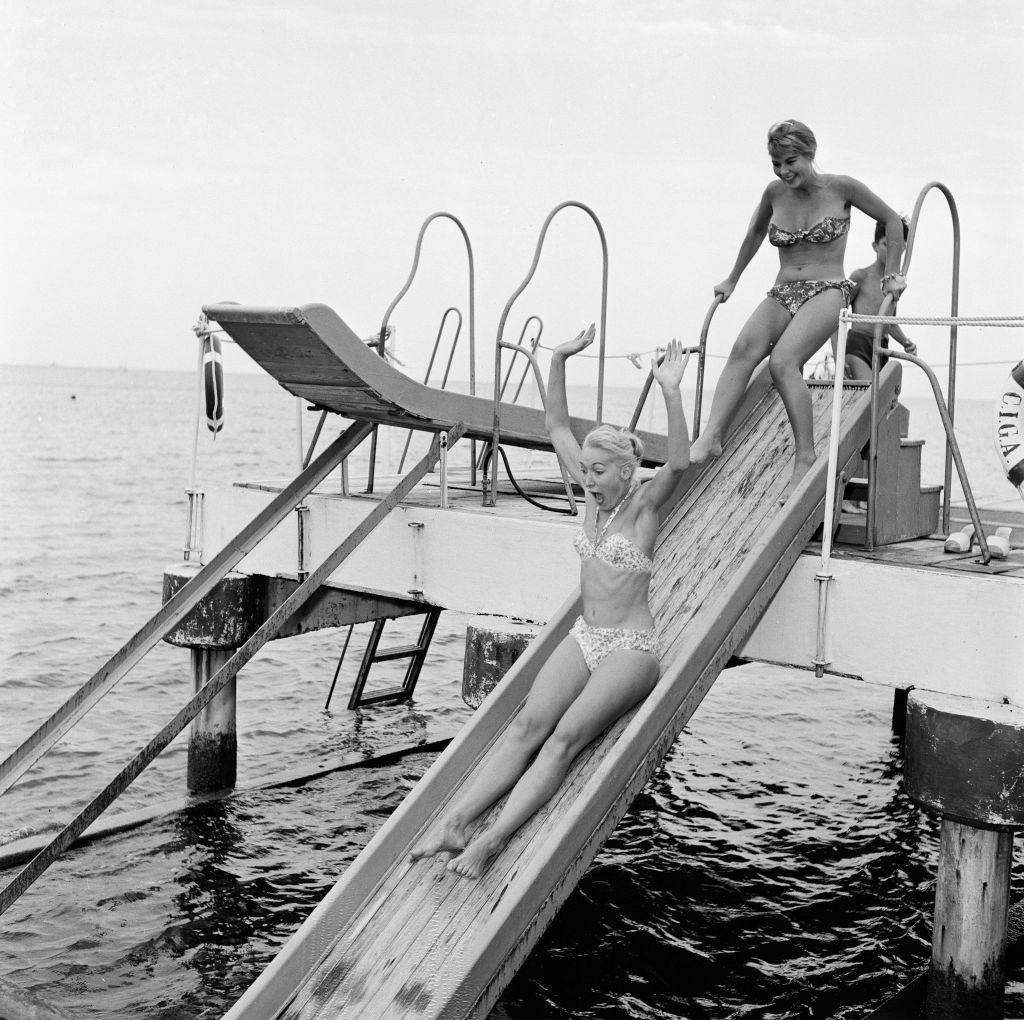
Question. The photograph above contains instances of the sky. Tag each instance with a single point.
(161, 156)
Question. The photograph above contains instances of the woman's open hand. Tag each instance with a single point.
(578, 343)
(669, 374)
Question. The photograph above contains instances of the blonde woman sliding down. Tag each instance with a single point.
(609, 661)
(806, 215)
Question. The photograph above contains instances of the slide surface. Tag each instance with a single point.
(399, 939)
(313, 354)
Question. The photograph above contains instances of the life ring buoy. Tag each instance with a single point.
(1009, 427)
(213, 383)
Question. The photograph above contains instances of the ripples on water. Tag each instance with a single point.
(772, 868)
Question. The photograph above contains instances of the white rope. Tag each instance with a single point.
(634, 357)
(1007, 321)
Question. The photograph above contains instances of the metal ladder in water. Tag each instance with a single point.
(175, 610)
(416, 653)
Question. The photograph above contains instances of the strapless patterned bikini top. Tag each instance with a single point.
(616, 550)
(826, 229)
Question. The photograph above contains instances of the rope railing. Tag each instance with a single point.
(1003, 321)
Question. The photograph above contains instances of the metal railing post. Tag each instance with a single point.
(491, 492)
(954, 304)
(472, 310)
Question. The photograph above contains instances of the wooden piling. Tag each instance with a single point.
(222, 621)
(972, 896)
(965, 759)
(212, 739)
(493, 643)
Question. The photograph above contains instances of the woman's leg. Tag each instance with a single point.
(811, 327)
(621, 680)
(752, 346)
(559, 682)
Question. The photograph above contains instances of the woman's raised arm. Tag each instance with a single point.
(669, 376)
(557, 415)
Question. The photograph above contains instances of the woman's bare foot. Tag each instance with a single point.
(449, 838)
(475, 859)
(800, 468)
(704, 446)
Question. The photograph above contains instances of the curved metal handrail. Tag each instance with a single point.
(646, 389)
(701, 358)
(430, 365)
(945, 413)
(491, 493)
(485, 453)
(472, 326)
(488, 452)
(534, 344)
(701, 351)
(953, 306)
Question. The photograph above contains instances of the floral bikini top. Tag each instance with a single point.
(826, 229)
(616, 550)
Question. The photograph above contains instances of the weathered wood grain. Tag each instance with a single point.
(313, 354)
(406, 960)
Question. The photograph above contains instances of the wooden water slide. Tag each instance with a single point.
(400, 939)
(313, 354)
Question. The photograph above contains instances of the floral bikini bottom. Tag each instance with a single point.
(597, 642)
(796, 293)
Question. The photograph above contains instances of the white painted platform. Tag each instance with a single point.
(904, 615)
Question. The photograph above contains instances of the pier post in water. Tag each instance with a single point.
(965, 760)
(221, 622)
(493, 643)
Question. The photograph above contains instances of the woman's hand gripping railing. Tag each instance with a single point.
(430, 365)
(488, 453)
(490, 493)
(701, 351)
(472, 329)
(954, 304)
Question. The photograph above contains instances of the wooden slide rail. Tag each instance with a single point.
(21, 882)
(408, 939)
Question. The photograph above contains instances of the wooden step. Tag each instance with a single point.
(916, 518)
(397, 652)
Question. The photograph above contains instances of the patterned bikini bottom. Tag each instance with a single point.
(597, 642)
(796, 293)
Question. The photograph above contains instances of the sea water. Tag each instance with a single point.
(773, 867)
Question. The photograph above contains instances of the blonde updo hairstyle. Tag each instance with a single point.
(620, 444)
(792, 136)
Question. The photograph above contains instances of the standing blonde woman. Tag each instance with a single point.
(806, 215)
(609, 661)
